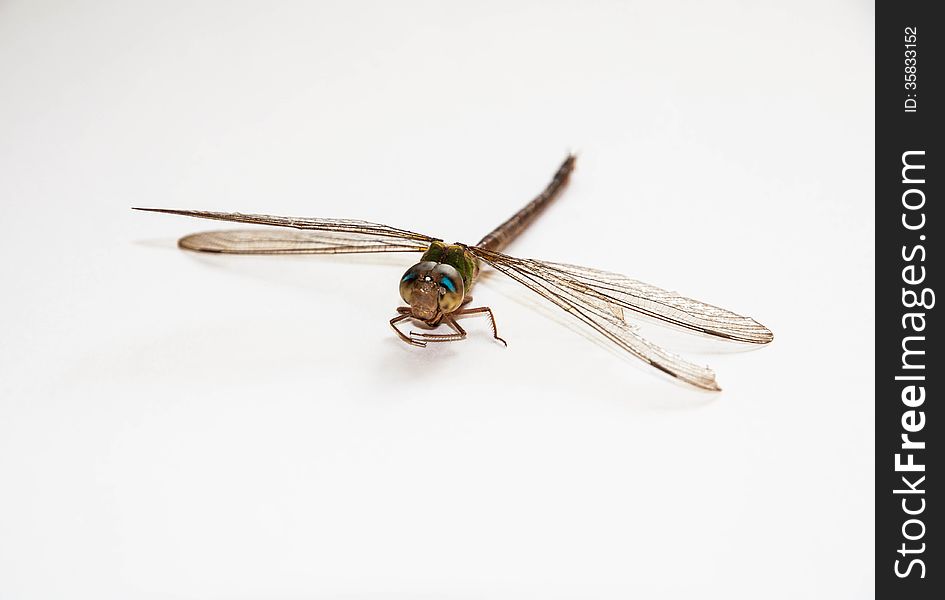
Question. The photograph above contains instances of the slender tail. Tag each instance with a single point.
(499, 237)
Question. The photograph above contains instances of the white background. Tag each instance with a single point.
(182, 426)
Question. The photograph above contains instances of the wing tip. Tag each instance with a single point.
(193, 243)
(709, 383)
(765, 335)
(701, 378)
(167, 211)
(706, 381)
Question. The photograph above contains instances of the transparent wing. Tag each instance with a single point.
(276, 241)
(304, 236)
(643, 298)
(598, 299)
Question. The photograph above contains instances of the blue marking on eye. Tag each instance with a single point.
(408, 277)
(448, 284)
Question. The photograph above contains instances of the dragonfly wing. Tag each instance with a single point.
(649, 300)
(303, 235)
(280, 241)
(598, 299)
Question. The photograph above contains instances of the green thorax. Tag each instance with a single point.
(458, 257)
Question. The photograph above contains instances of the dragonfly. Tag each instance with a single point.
(437, 288)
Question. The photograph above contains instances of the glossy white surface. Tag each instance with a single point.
(182, 426)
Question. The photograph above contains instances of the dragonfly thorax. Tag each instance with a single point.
(432, 290)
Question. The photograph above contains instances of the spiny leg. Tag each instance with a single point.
(421, 339)
(401, 334)
(478, 311)
(441, 337)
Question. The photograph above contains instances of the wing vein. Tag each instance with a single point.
(301, 235)
(598, 313)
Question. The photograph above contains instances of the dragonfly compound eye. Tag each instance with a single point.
(408, 283)
(452, 288)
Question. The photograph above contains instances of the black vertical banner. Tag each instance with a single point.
(910, 371)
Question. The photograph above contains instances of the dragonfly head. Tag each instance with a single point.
(432, 289)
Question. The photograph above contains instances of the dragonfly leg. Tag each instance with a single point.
(409, 339)
(441, 337)
(482, 310)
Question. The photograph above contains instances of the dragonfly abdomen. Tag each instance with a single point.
(499, 238)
